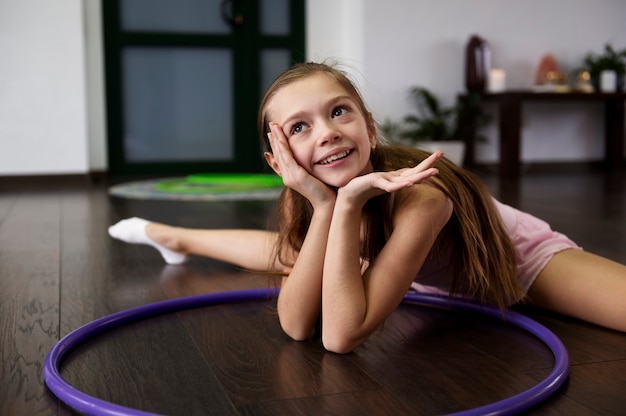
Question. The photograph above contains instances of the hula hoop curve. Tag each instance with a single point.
(87, 404)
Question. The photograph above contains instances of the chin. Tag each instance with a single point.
(340, 177)
(336, 183)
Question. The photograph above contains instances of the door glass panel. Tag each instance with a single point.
(273, 62)
(178, 104)
(192, 16)
(274, 17)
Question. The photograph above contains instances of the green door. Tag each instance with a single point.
(184, 79)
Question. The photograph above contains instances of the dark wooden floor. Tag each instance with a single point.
(60, 270)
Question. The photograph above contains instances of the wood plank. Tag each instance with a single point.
(152, 365)
(234, 359)
(100, 275)
(592, 389)
(607, 345)
(448, 361)
(29, 295)
(363, 402)
(120, 277)
(256, 361)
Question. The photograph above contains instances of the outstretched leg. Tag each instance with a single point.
(249, 249)
(585, 286)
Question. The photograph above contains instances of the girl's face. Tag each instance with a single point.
(328, 134)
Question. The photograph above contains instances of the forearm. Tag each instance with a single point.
(344, 303)
(300, 294)
(356, 302)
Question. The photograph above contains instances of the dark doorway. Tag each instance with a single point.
(184, 79)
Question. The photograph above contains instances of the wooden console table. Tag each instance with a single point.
(509, 105)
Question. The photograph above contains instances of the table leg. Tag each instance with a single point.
(614, 134)
(510, 116)
(467, 127)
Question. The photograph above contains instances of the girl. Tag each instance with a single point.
(361, 222)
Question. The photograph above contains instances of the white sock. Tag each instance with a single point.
(133, 230)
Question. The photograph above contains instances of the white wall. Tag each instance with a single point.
(335, 31)
(96, 113)
(422, 42)
(51, 84)
(43, 124)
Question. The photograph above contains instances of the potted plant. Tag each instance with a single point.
(609, 60)
(434, 127)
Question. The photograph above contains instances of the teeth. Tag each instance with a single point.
(335, 157)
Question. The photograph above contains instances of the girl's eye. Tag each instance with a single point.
(297, 128)
(339, 111)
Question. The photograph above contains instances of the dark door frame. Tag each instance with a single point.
(246, 43)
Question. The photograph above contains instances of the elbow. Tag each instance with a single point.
(294, 323)
(339, 344)
(296, 331)
(341, 339)
(336, 343)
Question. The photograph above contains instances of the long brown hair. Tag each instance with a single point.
(485, 260)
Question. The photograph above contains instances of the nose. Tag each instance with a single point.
(329, 133)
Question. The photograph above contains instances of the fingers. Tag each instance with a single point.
(283, 155)
(433, 158)
(424, 165)
(280, 146)
(294, 175)
(409, 177)
(423, 170)
(375, 183)
(275, 137)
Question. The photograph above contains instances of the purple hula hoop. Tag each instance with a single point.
(85, 403)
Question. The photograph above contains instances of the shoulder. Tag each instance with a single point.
(418, 216)
(423, 201)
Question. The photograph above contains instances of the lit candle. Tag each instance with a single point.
(497, 80)
(608, 81)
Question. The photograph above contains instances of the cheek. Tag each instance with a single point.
(302, 156)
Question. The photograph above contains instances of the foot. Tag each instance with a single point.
(133, 231)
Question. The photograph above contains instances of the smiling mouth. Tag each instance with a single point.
(332, 158)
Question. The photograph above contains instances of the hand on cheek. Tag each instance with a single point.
(294, 175)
